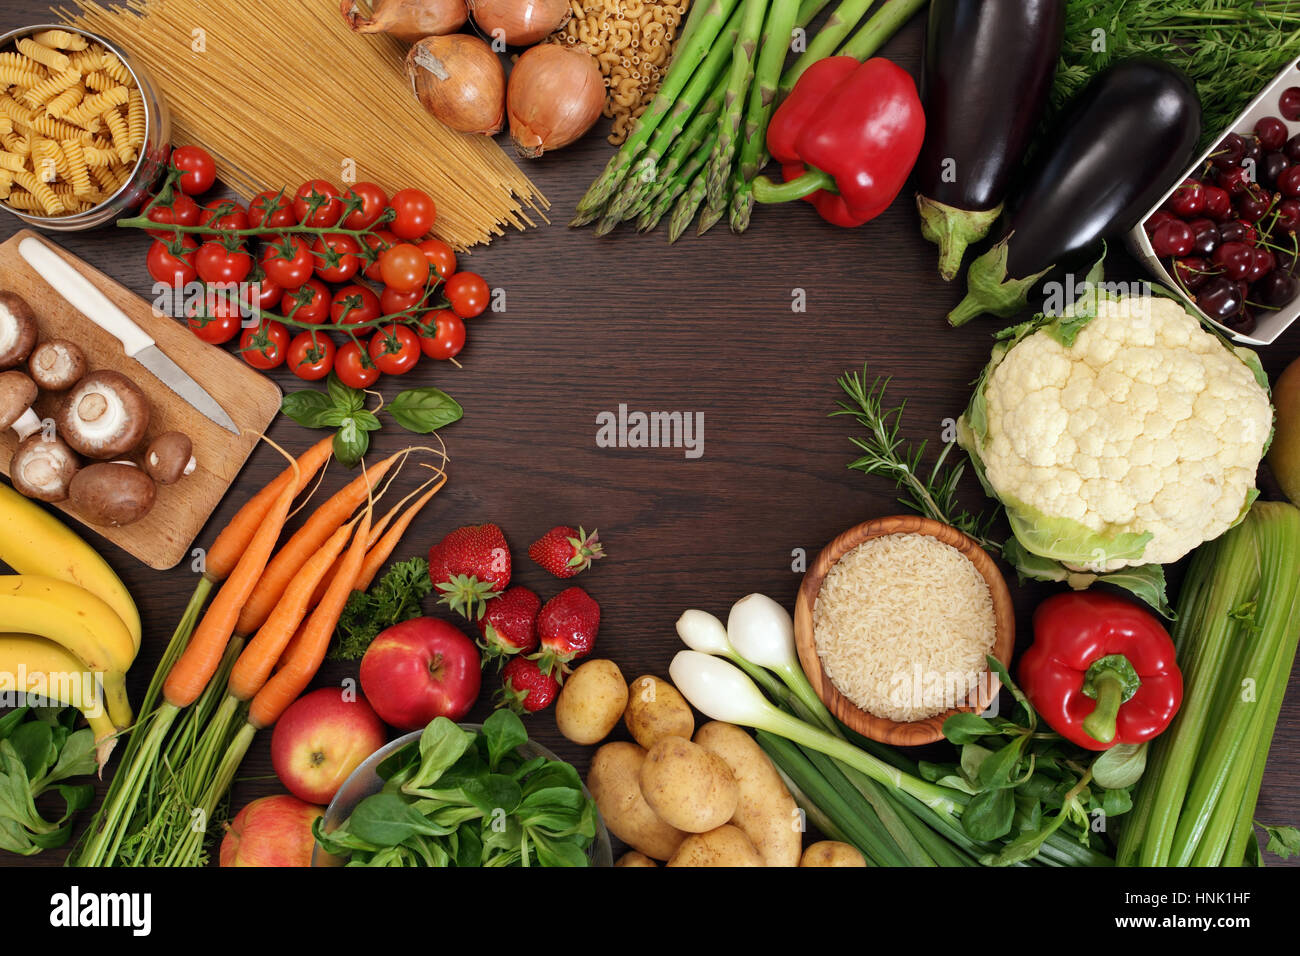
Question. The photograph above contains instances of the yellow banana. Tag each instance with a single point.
(30, 664)
(33, 541)
(81, 623)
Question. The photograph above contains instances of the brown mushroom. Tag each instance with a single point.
(105, 415)
(17, 393)
(169, 458)
(43, 468)
(57, 365)
(112, 493)
(17, 330)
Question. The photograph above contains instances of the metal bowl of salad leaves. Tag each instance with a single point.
(463, 795)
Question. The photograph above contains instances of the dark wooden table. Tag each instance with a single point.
(703, 326)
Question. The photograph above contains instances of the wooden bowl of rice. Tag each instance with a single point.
(893, 623)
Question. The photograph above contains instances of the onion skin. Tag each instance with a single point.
(520, 22)
(460, 81)
(556, 94)
(407, 20)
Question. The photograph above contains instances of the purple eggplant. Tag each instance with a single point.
(988, 70)
(1124, 140)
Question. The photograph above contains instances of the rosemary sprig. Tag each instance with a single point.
(1230, 48)
(885, 452)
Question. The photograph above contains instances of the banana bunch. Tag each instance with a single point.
(71, 628)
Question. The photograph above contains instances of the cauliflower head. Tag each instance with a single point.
(1124, 438)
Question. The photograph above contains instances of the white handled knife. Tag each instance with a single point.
(94, 305)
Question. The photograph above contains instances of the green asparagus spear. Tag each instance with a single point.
(833, 32)
(739, 79)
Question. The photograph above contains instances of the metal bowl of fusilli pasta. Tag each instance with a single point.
(84, 131)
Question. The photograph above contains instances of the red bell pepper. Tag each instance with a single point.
(1101, 670)
(846, 137)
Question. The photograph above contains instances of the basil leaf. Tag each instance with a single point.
(989, 815)
(1121, 766)
(366, 420)
(345, 397)
(424, 410)
(503, 731)
(307, 407)
(350, 444)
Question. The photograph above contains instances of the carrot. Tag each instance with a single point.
(195, 667)
(234, 538)
(259, 656)
(306, 542)
(376, 556)
(297, 670)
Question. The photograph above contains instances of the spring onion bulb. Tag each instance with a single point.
(701, 631)
(762, 632)
(720, 690)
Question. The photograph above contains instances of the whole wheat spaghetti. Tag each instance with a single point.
(281, 93)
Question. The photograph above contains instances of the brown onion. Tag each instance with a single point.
(408, 20)
(520, 22)
(556, 94)
(460, 81)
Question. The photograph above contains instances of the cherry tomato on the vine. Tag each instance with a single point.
(216, 322)
(415, 211)
(468, 294)
(336, 257)
(354, 367)
(404, 268)
(317, 203)
(217, 264)
(444, 334)
(175, 270)
(376, 244)
(395, 349)
(373, 200)
(183, 211)
(311, 355)
(224, 214)
(309, 303)
(198, 169)
(271, 209)
(440, 255)
(262, 292)
(392, 301)
(264, 345)
(288, 261)
(353, 304)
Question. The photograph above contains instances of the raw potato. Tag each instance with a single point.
(687, 786)
(591, 702)
(832, 853)
(633, 858)
(615, 784)
(655, 710)
(766, 811)
(725, 846)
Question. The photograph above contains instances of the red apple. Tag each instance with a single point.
(421, 669)
(271, 831)
(320, 739)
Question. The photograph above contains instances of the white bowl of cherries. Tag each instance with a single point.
(1227, 238)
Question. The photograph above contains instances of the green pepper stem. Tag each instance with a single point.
(810, 182)
(1100, 724)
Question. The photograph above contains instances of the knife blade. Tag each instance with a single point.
(82, 295)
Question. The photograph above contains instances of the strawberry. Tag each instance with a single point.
(470, 566)
(510, 624)
(564, 551)
(525, 688)
(566, 629)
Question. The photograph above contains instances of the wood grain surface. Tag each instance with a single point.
(708, 326)
(162, 537)
(897, 733)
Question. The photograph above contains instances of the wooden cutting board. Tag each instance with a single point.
(162, 537)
